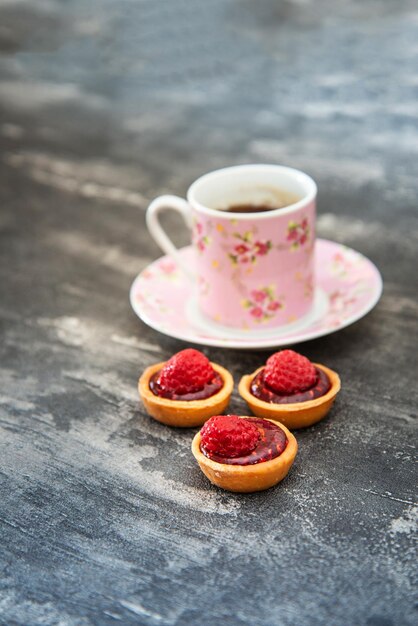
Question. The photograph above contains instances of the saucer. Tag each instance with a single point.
(348, 286)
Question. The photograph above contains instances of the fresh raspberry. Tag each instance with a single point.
(229, 436)
(288, 372)
(187, 371)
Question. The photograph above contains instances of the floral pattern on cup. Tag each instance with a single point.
(298, 233)
(247, 250)
(162, 302)
(262, 304)
(203, 286)
(201, 239)
(309, 286)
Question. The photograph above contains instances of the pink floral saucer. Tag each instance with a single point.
(348, 287)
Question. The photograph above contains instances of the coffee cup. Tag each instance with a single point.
(253, 236)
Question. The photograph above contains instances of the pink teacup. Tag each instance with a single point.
(253, 270)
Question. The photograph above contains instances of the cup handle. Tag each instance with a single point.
(160, 236)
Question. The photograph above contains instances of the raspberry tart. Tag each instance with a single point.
(185, 390)
(290, 389)
(244, 454)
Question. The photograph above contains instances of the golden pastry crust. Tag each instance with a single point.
(297, 414)
(248, 478)
(184, 413)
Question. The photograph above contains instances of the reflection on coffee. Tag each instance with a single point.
(281, 200)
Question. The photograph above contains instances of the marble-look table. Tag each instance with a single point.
(105, 518)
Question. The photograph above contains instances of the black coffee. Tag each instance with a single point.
(250, 208)
(281, 200)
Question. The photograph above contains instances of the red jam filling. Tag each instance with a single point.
(271, 444)
(207, 391)
(260, 390)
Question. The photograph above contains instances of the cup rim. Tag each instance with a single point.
(302, 176)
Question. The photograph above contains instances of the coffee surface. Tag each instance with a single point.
(282, 199)
(251, 208)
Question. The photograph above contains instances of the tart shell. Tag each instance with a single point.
(247, 478)
(184, 413)
(297, 414)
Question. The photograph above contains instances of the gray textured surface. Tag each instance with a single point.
(105, 519)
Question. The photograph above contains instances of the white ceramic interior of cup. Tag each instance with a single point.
(250, 184)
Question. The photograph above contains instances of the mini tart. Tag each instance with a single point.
(247, 478)
(297, 414)
(184, 413)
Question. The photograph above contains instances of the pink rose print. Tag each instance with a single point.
(341, 264)
(298, 233)
(262, 247)
(341, 306)
(167, 267)
(258, 295)
(247, 251)
(308, 286)
(202, 241)
(204, 286)
(262, 304)
(257, 312)
(341, 302)
(241, 249)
